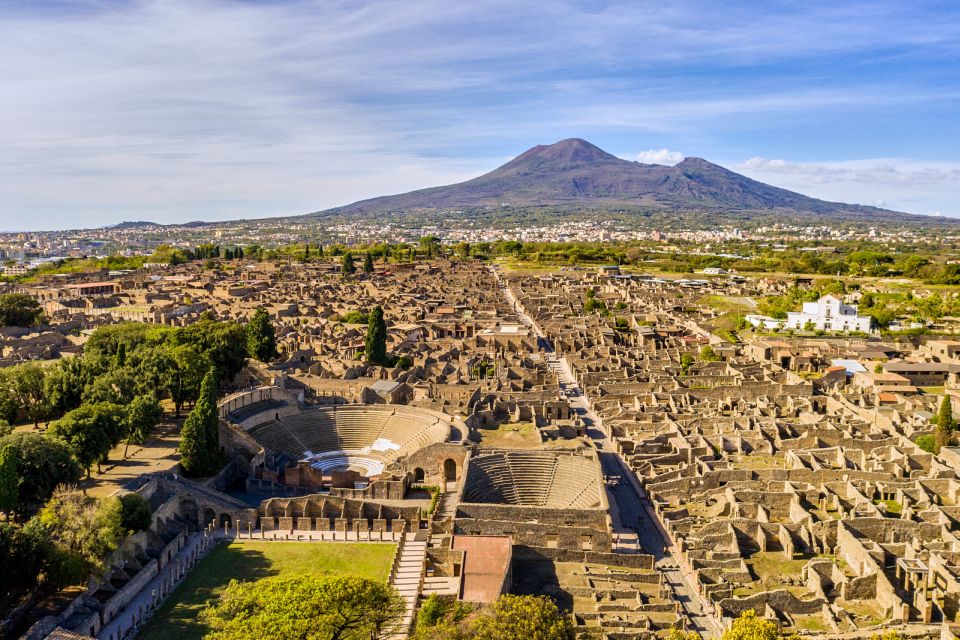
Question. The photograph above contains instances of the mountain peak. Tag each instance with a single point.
(570, 150)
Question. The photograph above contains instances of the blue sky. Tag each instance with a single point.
(177, 110)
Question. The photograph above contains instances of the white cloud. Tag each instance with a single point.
(892, 183)
(874, 172)
(659, 156)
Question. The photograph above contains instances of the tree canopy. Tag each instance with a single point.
(751, 627)
(511, 617)
(313, 607)
(19, 310)
(43, 463)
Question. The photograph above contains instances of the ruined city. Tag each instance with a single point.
(585, 433)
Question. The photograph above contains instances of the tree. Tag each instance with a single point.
(9, 406)
(680, 634)
(23, 553)
(327, 607)
(376, 343)
(200, 436)
(134, 513)
(523, 618)
(348, 267)
(117, 386)
(143, 414)
(25, 386)
(91, 430)
(686, 361)
(9, 479)
(83, 530)
(261, 337)
(43, 463)
(750, 627)
(19, 310)
(367, 262)
(945, 424)
(183, 374)
(65, 383)
(707, 354)
(224, 343)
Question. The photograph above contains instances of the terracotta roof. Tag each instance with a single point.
(485, 564)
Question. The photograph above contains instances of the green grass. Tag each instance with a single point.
(893, 507)
(177, 616)
(515, 435)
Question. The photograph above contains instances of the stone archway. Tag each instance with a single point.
(450, 470)
(418, 475)
(225, 520)
(209, 516)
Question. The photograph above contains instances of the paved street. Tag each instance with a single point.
(630, 509)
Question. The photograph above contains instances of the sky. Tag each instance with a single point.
(180, 110)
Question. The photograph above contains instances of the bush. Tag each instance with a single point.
(928, 443)
(135, 512)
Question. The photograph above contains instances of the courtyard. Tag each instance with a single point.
(177, 617)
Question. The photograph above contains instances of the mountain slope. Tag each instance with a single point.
(575, 172)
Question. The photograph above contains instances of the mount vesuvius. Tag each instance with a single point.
(575, 173)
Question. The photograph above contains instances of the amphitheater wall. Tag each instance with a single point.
(525, 529)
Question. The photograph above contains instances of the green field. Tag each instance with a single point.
(177, 616)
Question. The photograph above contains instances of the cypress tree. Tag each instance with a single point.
(376, 343)
(9, 480)
(348, 266)
(200, 436)
(367, 263)
(945, 423)
(261, 337)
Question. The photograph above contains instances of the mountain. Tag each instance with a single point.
(575, 172)
(133, 224)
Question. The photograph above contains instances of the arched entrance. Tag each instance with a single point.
(418, 475)
(209, 517)
(225, 520)
(450, 470)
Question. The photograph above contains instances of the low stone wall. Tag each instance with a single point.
(632, 560)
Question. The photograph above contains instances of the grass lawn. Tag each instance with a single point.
(177, 616)
(515, 435)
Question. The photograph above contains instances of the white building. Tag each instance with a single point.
(828, 314)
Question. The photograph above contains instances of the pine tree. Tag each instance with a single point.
(261, 337)
(945, 423)
(306, 253)
(367, 263)
(348, 266)
(9, 479)
(376, 344)
(200, 436)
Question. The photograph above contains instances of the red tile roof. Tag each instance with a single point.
(485, 564)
